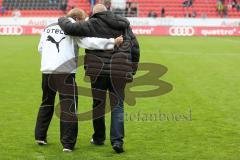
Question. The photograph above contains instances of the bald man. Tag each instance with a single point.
(108, 71)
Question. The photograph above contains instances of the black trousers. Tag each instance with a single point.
(115, 86)
(66, 86)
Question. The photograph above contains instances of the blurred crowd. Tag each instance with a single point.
(224, 5)
(120, 7)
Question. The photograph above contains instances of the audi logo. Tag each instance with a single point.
(181, 31)
(11, 30)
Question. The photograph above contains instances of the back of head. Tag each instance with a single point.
(77, 14)
(109, 18)
(99, 8)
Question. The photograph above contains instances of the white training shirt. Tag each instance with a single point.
(59, 51)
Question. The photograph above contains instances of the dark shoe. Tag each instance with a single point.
(118, 148)
(98, 143)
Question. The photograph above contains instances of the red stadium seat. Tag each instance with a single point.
(172, 8)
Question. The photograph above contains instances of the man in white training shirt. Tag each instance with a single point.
(58, 66)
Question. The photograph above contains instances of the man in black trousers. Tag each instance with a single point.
(108, 71)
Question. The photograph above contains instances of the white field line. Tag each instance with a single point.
(229, 40)
(190, 53)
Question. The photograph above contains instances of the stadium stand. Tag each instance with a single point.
(172, 8)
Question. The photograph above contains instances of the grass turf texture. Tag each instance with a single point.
(205, 75)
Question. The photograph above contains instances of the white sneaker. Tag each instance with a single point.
(96, 142)
(67, 150)
(41, 142)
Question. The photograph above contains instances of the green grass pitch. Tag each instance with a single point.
(205, 76)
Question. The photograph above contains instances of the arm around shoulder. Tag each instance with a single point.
(74, 29)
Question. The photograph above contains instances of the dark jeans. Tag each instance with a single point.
(66, 86)
(116, 87)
